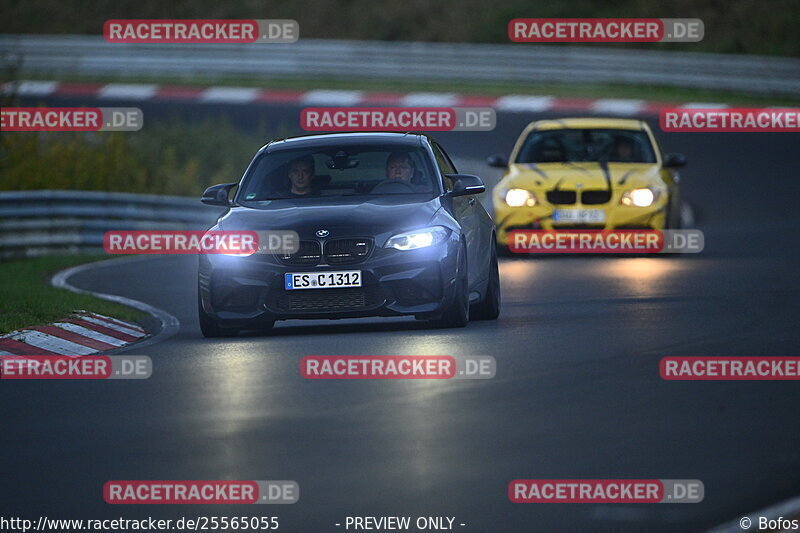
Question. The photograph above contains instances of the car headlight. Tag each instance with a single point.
(640, 197)
(421, 238)
(519, 198)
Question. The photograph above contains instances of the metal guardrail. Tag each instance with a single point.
(44, 222)
(91, 55)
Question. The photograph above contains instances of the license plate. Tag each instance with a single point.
(579, 215)
(322, 280)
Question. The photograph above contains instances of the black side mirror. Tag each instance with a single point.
(674, 161)
(218, 194)
(497, 160)
(464, 184)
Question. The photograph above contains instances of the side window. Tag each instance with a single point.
(446, 166)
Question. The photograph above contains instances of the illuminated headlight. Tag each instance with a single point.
(639, 197)
(421, 238)
(520, 197)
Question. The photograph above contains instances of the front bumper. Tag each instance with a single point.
(246, 290)
(508, 219)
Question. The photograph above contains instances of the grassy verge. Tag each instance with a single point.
(169, 156)
(652, 93)
(29, 299)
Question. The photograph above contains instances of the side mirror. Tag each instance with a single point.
(464, 184)
(674, 161)
(497, 160)
(218, 194)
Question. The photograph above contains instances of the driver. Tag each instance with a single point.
(400, 166)
(623, 149)
(301, 174)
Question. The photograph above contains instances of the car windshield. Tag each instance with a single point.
(578, 145)
(344, 170)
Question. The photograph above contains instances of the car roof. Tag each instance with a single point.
(326, 139)
(588, 123)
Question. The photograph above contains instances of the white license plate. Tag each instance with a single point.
(579, 215)
(322, 280)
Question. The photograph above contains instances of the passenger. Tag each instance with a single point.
(301, 176)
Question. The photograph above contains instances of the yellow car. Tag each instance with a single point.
(586, 173)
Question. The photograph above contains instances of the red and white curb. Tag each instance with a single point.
(325, 97)
(82, 333)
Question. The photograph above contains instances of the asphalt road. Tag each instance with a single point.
(577, 392)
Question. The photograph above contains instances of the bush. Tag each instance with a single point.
(166, 157)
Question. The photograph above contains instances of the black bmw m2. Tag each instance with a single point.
(386, 227)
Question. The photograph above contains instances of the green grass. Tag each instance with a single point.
(171, 156)
(652, 93)
(28, 299)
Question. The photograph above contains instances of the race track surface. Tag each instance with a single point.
(577, 392)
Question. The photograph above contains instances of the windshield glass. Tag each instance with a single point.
(576, 145)
(345, 170)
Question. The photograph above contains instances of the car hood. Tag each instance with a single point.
(547, 176)
(339, 215)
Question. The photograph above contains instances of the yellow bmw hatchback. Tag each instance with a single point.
(586, 173)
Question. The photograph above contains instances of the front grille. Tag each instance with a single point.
(325, 299)
(595, 197)
(309, 253)
(342, 251)
(562, 197)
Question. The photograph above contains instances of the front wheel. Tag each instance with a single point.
(210, 327)
(489, 307)
(457, 313)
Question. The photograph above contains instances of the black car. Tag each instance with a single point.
(386, 227)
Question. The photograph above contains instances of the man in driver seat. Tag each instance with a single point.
(400, 170)
(399, 166)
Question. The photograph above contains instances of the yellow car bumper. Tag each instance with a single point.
(508, 219)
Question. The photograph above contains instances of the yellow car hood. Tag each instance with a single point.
(587, 176)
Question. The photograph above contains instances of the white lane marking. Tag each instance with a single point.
(121, 329)
(86, 332)
(169, 324)
(618, 106)
(52, 343)
(328, 97)
(521, 102)
(128, 91)
(30, 88)
(703, 105)
(117, 321)
(234, 95)
(430, 100)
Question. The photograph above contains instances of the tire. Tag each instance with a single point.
(489, 306)
(210, 327)
(457, 313)
(503, 251)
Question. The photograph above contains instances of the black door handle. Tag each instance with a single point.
(472, 201)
